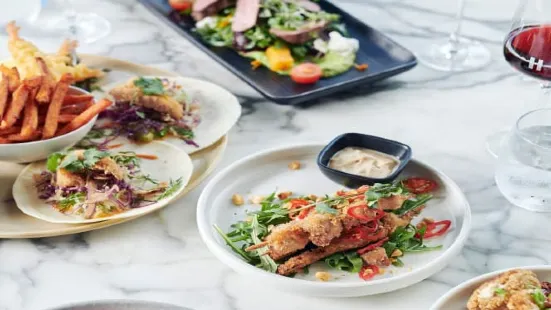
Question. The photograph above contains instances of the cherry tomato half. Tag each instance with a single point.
(420, 185)
(180, 5)
(369, 272)
(306, 73)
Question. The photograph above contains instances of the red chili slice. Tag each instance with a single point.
(356, 212)
(297, 204)
(369, 272)
(420, 185)
(372, 246)
(356, 233)
(433, 229)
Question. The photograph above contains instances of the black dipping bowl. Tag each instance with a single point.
(390, 147)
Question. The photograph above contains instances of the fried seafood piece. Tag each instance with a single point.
(509, 291)
(286, 239)
(24, 54)
(65, 178)
(392, 221)
(343, 243)
(376, 257)
(393, 202)
(322, 228)
(106, 165)
(133, 94)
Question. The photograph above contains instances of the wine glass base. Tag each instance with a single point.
(88, 27)
(464, 55)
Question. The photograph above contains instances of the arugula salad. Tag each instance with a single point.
(96, 184)
(359, 231)
(289, 37)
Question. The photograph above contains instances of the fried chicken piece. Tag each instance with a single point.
(508, 291)
(286, 239)
(376, 257)
(322, 228)
(65, 178)
(343, 243)
(162, 104)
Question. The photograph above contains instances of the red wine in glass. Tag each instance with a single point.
(528, 49)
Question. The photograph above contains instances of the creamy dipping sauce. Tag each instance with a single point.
(364, 162)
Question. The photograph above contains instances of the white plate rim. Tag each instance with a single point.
(151, 208)
(481, 278)
(221, 251)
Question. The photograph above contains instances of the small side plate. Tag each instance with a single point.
(120, 305)
(267, 171)
(384, 57)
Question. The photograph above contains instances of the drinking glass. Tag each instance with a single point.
(523, 169)
(456, 53)
(84, 27)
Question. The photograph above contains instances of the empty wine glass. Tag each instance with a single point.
(84, 27)
(456, 53)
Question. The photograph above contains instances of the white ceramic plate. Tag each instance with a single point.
(172, 164)
(457, 298)
(265, 172)
(219, 111)
(120, 305)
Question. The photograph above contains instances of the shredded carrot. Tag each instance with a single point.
(146, 156)
(114, 146)
(360, 67)
(255, 64)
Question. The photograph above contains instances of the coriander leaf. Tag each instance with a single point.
(92, 156)
(172, 188)
(500, 291)
(72, 163)
(267, 263)
(183, 132)
(71, 201)
(53, 161)
(324, 208)
(149, 87)
(349, 261)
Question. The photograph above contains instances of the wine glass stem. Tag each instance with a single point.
(454, 36)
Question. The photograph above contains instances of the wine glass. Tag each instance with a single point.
(84, 27)
(456, 53)
(527, 46)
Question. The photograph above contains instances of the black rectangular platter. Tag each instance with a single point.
(384, 57)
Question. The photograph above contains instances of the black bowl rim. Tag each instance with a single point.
(389, 178)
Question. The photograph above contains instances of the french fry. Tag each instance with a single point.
(48, 84)
(4, 92)
(85, 116)
(66, 118)
(74, 99)
(13, 77)
(14, 109)
(76, 108)
(20, 138)
(30, 118)
(50, 126)
(9, 131)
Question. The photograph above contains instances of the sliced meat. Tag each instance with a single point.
(162, 104)
(65, 178)
(286, 239)
(296, 263)
(376, 257)
(393, 202)
(299, 36)
(246, 13)
(307, 5)
(204, 8)
(322, 228)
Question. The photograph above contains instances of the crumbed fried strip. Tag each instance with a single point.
(296, 263)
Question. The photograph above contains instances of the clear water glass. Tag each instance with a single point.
(523, 172)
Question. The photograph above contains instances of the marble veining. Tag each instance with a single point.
(444, 117)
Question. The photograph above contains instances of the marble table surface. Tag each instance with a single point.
(444, 117)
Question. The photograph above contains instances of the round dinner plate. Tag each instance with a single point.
(267, 171)
(119, 305)
(457, 298)
(15, 224)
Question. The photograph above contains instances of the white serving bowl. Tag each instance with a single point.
(37, 150)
